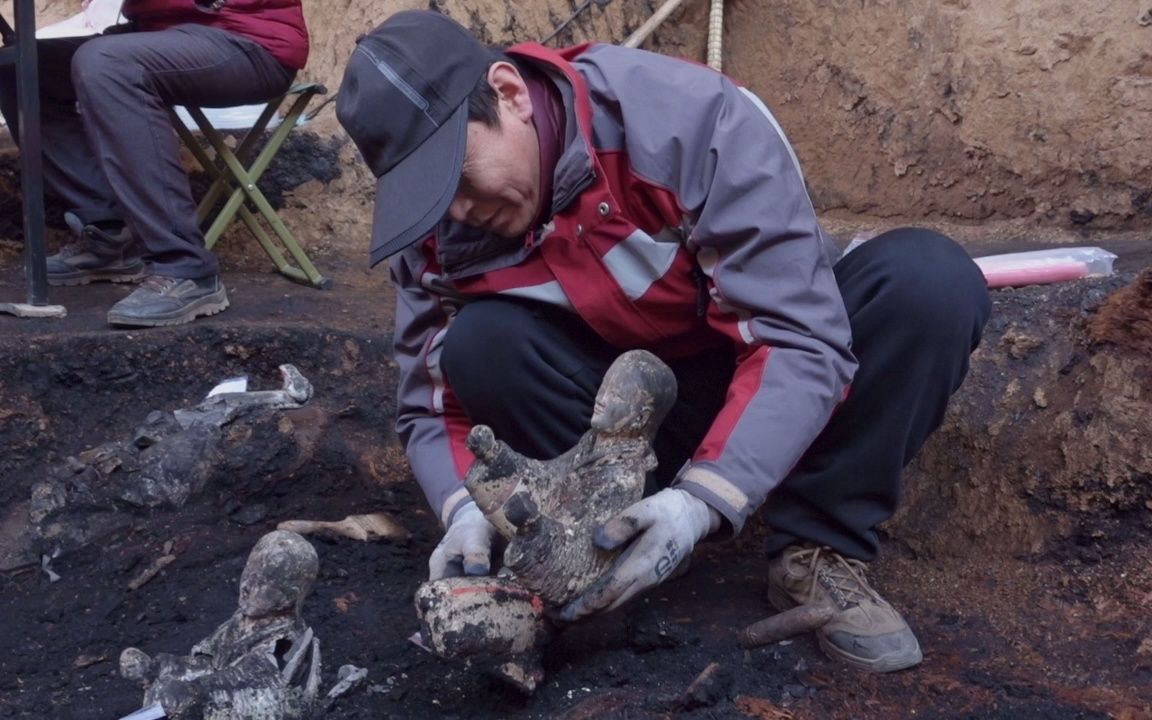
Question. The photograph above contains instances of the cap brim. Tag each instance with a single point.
(415, 194)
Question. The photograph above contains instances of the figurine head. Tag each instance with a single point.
(637, 392)
(278, 575)
(136, 665)
(494, 477)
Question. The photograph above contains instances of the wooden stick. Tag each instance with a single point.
(800, 619)
(151, 571)
(358, 527)
(652, 23)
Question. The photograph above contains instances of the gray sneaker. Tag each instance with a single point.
(95, 255)
(866, 631)
(162, 300)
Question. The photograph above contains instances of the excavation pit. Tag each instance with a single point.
(1056, 629)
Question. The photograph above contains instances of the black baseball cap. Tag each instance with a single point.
(404, 101)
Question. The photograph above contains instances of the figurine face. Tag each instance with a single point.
(636, 389)
(612, 416)
(263, 599)
(278, 575)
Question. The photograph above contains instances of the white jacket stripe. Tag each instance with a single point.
(435, 374)
(549, 292)
(708, 258)
(640, 260)
(779, 130)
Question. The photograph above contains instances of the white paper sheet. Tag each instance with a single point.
(94, 17)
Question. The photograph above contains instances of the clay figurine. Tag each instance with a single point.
(172, 457)
(263, 663)
(220, 409)
(548, 511)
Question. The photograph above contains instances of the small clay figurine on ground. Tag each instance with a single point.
(262, 663)
(548, 511)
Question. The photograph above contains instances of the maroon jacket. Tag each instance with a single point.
(277, 25)
(680, 222)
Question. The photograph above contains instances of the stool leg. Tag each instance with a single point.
(243, 152)
(278, 258)
(246, 179)
(218, 178)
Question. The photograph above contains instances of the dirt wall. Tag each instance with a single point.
(1032, 111)
(968, 109)
(964, 110)
(1046, 439)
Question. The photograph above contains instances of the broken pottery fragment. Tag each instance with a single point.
(548, 510)
(263, 663)
(490, 624)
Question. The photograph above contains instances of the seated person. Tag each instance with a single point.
(110, 153)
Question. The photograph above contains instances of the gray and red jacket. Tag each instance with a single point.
(276, 25)
(680, 223)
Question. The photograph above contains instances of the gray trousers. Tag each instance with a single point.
(110, 152)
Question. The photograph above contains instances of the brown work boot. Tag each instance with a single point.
(98, 254)
(866, 631)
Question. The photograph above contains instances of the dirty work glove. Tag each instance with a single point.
(466, 549)
(663, 529)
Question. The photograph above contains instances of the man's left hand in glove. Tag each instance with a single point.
(663, 529)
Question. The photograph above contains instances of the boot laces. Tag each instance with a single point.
(159, 284)
(842, 578)
(88, 241)
(80, 246)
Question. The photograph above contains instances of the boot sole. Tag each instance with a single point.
(201, 307)
(88, 278)
(884, 664)
(888, 663)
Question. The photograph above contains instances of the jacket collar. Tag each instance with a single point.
(575, 169)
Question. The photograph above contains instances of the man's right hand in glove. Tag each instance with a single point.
(466, 549)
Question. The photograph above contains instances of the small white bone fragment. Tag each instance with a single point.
(375, 526)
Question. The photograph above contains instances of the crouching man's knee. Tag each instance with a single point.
(924, 278)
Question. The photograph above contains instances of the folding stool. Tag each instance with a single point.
(232, 178)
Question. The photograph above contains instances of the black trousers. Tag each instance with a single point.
(917, 306)
(109, 149)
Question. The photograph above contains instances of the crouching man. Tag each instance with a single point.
(543, 211)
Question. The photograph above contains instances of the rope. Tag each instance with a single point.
(715, 34)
